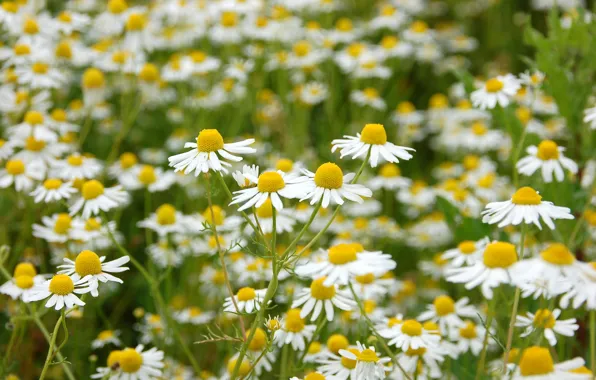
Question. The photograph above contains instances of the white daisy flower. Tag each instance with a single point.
(548, 157)
(147, 176)
(548, 323)
(373, 138)
(466, 253)
(536, 363)
(498, 90)
(319, 297)
(470, 338)
(92, 267)
(134, 364)
(447, 313)
(52, 190)
(526, 206)
(369, 366)
(22, 283)
(368, 97)
(410, 334)
(344, 261)
(590, 117)
(35, 126)
(330, 185)
(247, 299)
(294, 331)
(194, 315)
(62, 290)
(77, 166)
(207, 151)
(494, 269)
(20, 174)
(58, 228)
(106, 337)
(164, 254)
(165, 220)
(95, 197)
(241, 176)
(389, 178)
(270, 185)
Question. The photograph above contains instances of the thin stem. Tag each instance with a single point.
(380, 339)
(593, 340)
(489, 321)
(51, 349)
(304, 229)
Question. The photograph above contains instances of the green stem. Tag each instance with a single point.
(304, 229)
(489, 321)
(284, 362)
(50, 354)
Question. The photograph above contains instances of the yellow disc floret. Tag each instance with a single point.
(536, 361)
(93, 79)
(499, 255)
(493, 85)
(270, 182)
(411, 327)
(337, 342)
(444, 305)
(329, 176)
(557, 254)
(294, 323)
(87, 263)
(24, 282)
(526, 196)
(15, 167)
(61, 285)
(147, 175)
(92, 189)
(246, 294)
(209, 140)
(166, 214)
(342, 254)
(548, 150)
(320, 291)
(373, 134)
(62, 224)
(24, 269)
(130, 360)
(544, 319)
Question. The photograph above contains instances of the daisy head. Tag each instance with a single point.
(369, 365)
(496, 91)
(62, 290)
(537, 363)
(411, 334)
(526, 206)
(549, 158)
(95, 198)
(270, 185)
(247, 300)
(23, 280)
(134, 363)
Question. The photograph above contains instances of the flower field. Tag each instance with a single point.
(297, 189)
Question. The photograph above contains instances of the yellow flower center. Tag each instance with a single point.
(24, 269)
(471, 162)
(405, 108)
(265, 210)
(149, 73)
(444, 305)
(349, 363)
(209, 140)
(114, 358)
(166, 214)
(59, 115)
(418, 352)
(487, 181)
(438, 101)
(582, 370)
(270, 182)
(258, 341)
(229, 19)
(284, 164)
(214, 213)
(468, 331)
(15, 167)
(467, 247)
(130, 360)
(65, 17)
(62, 224)
(431, 326)
(246, 294)
(368, 355)
(21, 49)
(337, 342)
(315, 347)
(218, 278)
(314, 376)
(147, 175)
(526, 196)
(24, 282)
(544, 319)
(356, 49)
(479, 129)
(390, 170)
(411, 327)
(92, 189)
(93, 79)
(373, 134)
(273, 324)
(92, 224)
(293, 321)
(536, 361)
(136, 22)
(548, 150)
(524, 114)
(30, 26)
(342, 254)
(344, 24)
(499, 255)
(75, 160)
(245, 367)
(33, 145)
(365, 279)
(301, 48)
(329, 176)
(493, 85)
(117, 6)
(215, 242)
(39, 68)
(557, 254)
(370, 93)
(320, 291)
(10, 6)
(87, 262)
(61, 285)
(419, 27)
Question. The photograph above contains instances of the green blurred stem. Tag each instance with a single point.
(489, 321)
(52, 345)
(593, 340)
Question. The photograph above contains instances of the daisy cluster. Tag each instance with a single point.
(313, 189)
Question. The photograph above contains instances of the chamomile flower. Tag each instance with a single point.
(22, 283)
(410, 334)
(61, 290)
(152, 178)
(447, 313)
(549, 158)
(95, 197)
(368, 97)
(319, 297)
(526, 206)
(52, 190)
(470, 337)
(166, 219)
(77, 166)
(494, 269)
(247, 299)
(270, 185)
(106, 337)
(369, 366)
(389, 178)
(136, 364)
(205, 155)
(328, 184)
(467, 252)
(294, 331)
(240, 176)
(547, 321)
(498, 90)
(373, 139)
(194, 315)
(344, 261)
(536, 363)
(90, 266)
(20, 174)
